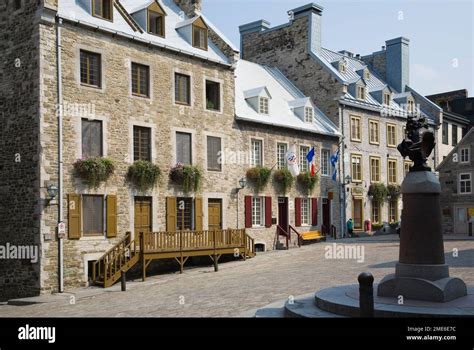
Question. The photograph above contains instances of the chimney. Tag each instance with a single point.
(315, 12)
(398, 63)
(257, 26)
(189, 7)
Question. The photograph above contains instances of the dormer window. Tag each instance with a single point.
(263, 105)
(102, 9)
(366, 74)
(156, 23)
(308, 115)
(200, 35)
(387, 99)
(411, 106)
(343, 66)
(361, 92)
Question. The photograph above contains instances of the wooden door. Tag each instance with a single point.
(142, 215)
(357, 214)
(327, 215)
(215, 214)
(283, 221)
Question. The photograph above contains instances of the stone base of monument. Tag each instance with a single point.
(343, 301)
(422, 282)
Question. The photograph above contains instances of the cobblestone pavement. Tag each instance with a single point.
(238, 286)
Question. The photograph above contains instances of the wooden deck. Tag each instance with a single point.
(169, 245)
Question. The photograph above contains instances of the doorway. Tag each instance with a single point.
(214, 209)
(142, 216)
(357, 217)
(327, 215)
(283, 213)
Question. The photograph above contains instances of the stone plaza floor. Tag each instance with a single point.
(240, 287)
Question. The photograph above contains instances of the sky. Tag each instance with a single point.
(440, 32)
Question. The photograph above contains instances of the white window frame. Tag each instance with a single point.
(467, 153)
(467, 181)
(305, 212)
(361, 93)
(303, 159)
(258, 221)
(252, 158)
(323, 173)
(281, 158)
(264, 105)
(308, 114)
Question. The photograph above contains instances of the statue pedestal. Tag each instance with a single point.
(421, 273)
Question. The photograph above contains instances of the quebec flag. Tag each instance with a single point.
(334, 160)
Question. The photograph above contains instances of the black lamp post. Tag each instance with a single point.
(242, 184)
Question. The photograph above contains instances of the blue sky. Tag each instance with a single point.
(440, 32)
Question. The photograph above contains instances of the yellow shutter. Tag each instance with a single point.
(198, 203)
(171, 215)
(111, 216)
(74, 216)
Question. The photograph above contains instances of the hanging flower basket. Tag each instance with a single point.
(307, 182)
(94, 171)
(284, 179)
(190, 177)
(378, 191)
(258, 177)
(143, 175)
(394, 191)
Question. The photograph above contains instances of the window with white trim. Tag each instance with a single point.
(263, 105)
(282, 149)
(465, 183)
(361, 92)
(465, 155)
(387, 99)
(304, 166)
(305, 211)
(257, 211)
(308, 115)
(325, 161)
(256, 153)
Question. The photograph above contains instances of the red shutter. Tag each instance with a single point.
(248, 211)
(298, 212)
(314, 211)
(268, 211)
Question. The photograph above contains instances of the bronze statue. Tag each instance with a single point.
(417, 145)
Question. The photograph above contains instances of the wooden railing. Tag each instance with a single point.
(282, 232)
(297, 235)
(121, 257)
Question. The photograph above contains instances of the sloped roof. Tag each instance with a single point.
(74, 10)
(460, 144)
(252, 76)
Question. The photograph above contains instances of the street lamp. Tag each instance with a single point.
(52, 191)
(348, 179)
(242, 184)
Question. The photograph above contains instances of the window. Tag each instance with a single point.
(213, 95)
(263, 105)
(367, 74)
(200, 37)
(256, 154)
(374, 132)
(445, 133)
(356, 161)
(156, 23)
(257, 211)
(182, 89)
(102, 9)
(375, 212)
(305, 211)
(325, 161)
(374, 169)
(454, 131)
(355, 129)
(91, 138)
(465, 184)
(411, 106)
(91, 69)
(282, 149)
(361, 92)
(93, 215)
(391, 135)
(140, 80)
(343, 66)
(406, 167)
(183, 148)
(465, 155)
(184, 217)
(141, 144)
(392, 171)
(393, 211)
(214, 161)
(308, 115)
(304, 166)
(387, 99)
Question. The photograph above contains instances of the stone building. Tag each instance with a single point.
(126, 80)
(272, 115)
(456, 175)
(367, 97)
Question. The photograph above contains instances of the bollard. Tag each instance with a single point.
(470, 229)
(123, 280)
(216, 264)
(366, 294)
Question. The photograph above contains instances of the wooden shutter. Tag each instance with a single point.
(248, 211)
(111, 216)
(198, 210)
(314, 211)
(268, 211)
(74, 216)
(298, 212)
(171, 217)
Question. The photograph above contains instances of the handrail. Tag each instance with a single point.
(286, 234)
(297, 235)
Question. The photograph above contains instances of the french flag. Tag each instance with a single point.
(310, 159)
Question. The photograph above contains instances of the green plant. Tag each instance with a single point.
(394, 191)
(143, 175)
(258, 177)
(378, 191)
(94, 171)
(284, 178)
(307, 181)
(187, 175)
(394, 224)
(376, 227)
